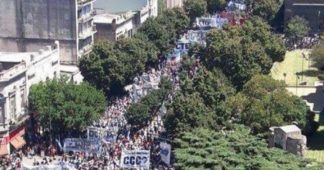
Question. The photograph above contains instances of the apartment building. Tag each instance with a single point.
(28, 25)
(18, 72)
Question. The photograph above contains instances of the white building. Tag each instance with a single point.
(115, 26)
(18, 72)
(173, 3)
(28, 25)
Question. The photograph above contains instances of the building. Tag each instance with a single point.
(28, 25)
(288, 138)
(112, 27)
(173, 3)
(311, 10)
(18, 72)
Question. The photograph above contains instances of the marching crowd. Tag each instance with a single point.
(42, 155)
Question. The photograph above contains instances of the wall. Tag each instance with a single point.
(26, 25)
(105, 32)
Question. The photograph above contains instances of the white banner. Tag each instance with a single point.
(135, 159)
(165, 152)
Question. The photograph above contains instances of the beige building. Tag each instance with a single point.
(18, 72)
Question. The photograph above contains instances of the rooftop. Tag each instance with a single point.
(290, 128)
(108, 18)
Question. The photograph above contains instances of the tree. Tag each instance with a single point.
(110, 67)
(187, 112)
(317, 56)
(266, 9)
(212, 86)
(238, 57)
(216, 5)
(296, 29)
(141, 52)
(258, 30)
(156, 34)
(230, 149)
(195, 8)
(65, 107)
(175, 21)
(241, 52)
(264, 102)
(139, 114)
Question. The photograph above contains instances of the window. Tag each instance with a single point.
(22, 96)
(31, 76)
(12, 105)
(2, 113)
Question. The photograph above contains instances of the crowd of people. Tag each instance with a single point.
(147, 138)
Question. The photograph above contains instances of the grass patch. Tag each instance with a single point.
(295, 65)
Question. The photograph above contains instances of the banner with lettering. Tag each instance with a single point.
(135, 159)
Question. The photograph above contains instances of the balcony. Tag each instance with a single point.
(86, 17)
(87, 33)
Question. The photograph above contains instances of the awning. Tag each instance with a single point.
(3, 150)
(18, 142)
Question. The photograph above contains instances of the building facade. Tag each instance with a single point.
(18, 72)
(173, 3)
(28, 25)
(311, 10)
(111, 27)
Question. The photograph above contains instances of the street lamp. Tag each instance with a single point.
(297, 77)
(303, 57)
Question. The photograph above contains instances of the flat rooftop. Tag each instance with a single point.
(290, 128)
(108, 18)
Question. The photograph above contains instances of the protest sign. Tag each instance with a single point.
(135, 159)
(165, 152)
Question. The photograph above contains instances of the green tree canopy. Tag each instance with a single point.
(238, 57)
(139, 114)
(212, 86)
(317, 56)
(112, 66)
(264, 102)
(195, 8)
(241, 52)
(296, 29)
(64, 106)
(187, 112)
(267, 9)
(155, 33)
(230, 149)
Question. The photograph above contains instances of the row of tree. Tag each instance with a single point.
(112, 66)
(63, 108)
(215, 118)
